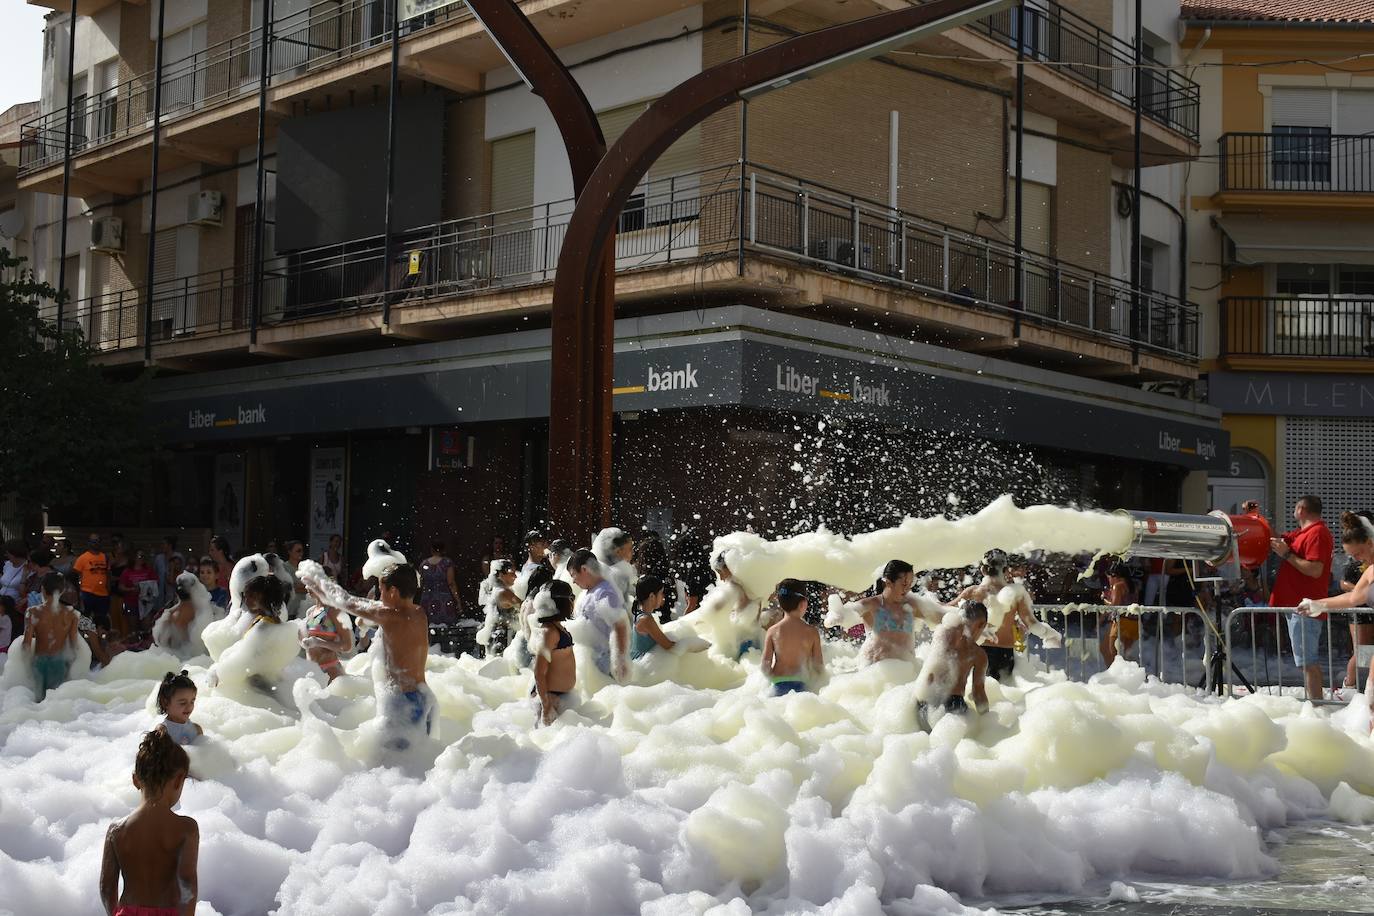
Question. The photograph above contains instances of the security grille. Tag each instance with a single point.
(1329, 457)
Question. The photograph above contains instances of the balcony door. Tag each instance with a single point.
(1323, 310)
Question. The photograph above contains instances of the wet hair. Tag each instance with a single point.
(535, 535)
(893, 571)
(17, 549)
(791, 594)
(718, 562)
(158, 762)
(561, 594)
(973, 611)
(995, 562)
(405, 579)
(54, 583)
(270, 589)
(646, 586)
(1120, 570)
(1313, 503)
(559, 546)
(540, 576)
(583, 558)
(1355, 527)
(171, 683)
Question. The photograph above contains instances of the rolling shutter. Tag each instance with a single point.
(512, 177)
(1300, 107)
(1037, 206)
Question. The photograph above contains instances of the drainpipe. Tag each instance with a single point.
(66, 171)
(152, 199)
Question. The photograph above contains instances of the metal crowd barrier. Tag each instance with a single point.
(1173, 649)
(1261, 659)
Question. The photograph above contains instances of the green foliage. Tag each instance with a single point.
(68, 434)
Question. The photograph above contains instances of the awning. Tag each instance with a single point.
(1263, 240)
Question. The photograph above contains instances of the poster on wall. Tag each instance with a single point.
(326, 497)
(229, 499)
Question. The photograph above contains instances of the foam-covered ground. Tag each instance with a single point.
(671, 799)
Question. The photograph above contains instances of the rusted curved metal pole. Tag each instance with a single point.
(598, 208)
(580, 413)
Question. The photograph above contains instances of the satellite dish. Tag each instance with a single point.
(11, 223)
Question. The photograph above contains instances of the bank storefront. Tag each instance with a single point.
(430, 435)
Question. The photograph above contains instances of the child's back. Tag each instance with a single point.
(153, 850)
(147, 847)
(792, 648)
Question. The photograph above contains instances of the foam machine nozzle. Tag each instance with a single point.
(1217, 538)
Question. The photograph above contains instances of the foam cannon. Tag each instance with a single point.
(1218, 539)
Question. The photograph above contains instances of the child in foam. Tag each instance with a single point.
(555, 665)
(406, 706)
(890, 616)
(50, 636)
(954, 655)
(181, 626)
(1124, 631)
(601, 605)
(176, 700)
(325, 636)
(792, 648)
(1009, 607)
(648, 635)
(614, 550)
(153, 850)
(251, 649)
(728, 618)
(498, 628)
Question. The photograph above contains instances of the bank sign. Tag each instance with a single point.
(682, 373)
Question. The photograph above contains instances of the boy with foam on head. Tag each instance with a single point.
(954, 655)
(792, 648)
(405, 704)
(153, 850)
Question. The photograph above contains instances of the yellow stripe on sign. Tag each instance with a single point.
(226, 422)
(837, 395)
(629, 389)
(1188, 451)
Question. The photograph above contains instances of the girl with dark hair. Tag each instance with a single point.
(649, 597)
(555, 667)
(223, 556)
(651, 559)
(890, 615)
(176, 700)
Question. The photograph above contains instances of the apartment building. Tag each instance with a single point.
(842, 253)
(1282, 218)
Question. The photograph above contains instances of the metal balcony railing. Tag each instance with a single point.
(681, 218)
(1093, 56)
(319, 35)
(1310, 159)
(1335, 326)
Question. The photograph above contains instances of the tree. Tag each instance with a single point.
(68, 434)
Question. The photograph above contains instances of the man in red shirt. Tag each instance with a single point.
(1305, 572)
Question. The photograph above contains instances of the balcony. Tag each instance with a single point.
(678, 237)
(1094, 57)
(1305, 166)
(1315, 327)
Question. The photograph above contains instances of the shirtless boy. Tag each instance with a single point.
(153, 850)
(954, 655)
(1000, 644)
(404, 701)
(50, 635)
(792, 648)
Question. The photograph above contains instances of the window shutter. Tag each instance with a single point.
(512, 177)
(1037, 207)
(1301, 107)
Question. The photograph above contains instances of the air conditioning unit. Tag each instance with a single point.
(841, 251)
(107, 234)
(205, 208)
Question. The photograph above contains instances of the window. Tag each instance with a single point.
(1354, 280)
(1302, 154)
(1302, 280)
